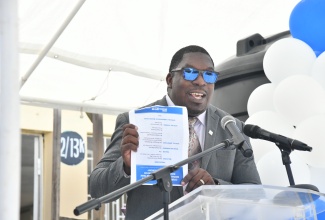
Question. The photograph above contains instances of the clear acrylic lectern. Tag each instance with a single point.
(247, 202)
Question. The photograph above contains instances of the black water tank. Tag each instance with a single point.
(242, 73)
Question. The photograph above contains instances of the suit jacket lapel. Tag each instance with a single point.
(212, 120)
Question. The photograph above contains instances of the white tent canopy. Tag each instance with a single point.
(114, 55)
(106, 56)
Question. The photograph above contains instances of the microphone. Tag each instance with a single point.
(254, 131)
(228, 123)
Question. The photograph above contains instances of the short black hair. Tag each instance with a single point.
(178, 56)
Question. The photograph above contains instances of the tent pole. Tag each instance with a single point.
(88, 106)
(51, 42)
(98, 151)
(56, 165)
(10, 139)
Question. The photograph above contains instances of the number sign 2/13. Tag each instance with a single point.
(72, 148)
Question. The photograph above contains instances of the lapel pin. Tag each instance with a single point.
(210, 132)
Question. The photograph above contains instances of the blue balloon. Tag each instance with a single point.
(307, 23)
(317, 53)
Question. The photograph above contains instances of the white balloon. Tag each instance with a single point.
(317, 177)
(286, 57)
(299, 97)
(270, 121)
(273, 172)
(312, 131)
(261, 99)
(318, 70)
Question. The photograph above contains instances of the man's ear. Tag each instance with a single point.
(169, 80)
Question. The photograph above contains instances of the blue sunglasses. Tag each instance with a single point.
(192, 74)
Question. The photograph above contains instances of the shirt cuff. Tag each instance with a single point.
(125, 175)
(216, 181)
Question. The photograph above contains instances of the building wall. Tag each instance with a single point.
(73, 182)
(73, 190)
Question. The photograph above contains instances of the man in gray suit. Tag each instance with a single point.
(190, 83)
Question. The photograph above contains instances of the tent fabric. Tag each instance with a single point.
(114, 55)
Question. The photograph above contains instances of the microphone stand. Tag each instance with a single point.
(285, 152)
(163, 181)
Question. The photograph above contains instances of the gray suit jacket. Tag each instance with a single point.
(227, 166)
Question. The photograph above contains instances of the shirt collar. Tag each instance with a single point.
(200, 117)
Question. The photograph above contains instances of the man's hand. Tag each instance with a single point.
(196, 178)
(130, 142)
